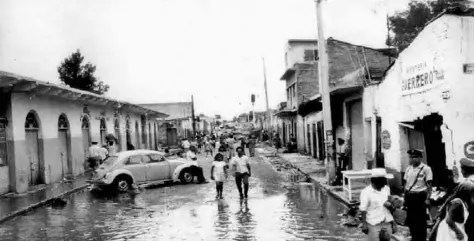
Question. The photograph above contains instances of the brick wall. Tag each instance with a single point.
(307, 85)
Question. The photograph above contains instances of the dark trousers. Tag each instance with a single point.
(416, 218)
(242, 178)
(219, 188)
(199, 174)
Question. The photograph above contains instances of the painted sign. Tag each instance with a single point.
(386, 139)
(420, 77)
(468, 149)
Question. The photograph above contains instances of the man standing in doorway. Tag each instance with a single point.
(417, 192)
(342, 153)
(240, 165)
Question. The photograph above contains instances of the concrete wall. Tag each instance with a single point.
(442, 49)
(48, 109)
(295, 52)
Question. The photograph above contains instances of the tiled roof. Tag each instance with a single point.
(19, 83)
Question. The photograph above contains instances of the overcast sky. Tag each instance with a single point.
(166, 50)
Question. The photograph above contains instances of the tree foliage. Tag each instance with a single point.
(407, 24)
(75, 74)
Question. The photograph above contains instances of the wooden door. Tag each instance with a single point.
(171, 136)
(358, 158)
(63, 151)
(314, 137)
(137, 136)
(3, 145)
(321, 141)
(86, 136)
(32, 152)
(309, 144)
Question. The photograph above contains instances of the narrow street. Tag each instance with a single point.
(275, 210)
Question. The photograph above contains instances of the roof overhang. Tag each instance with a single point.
(17, 83)
(286, 113)
(314, 104)
(288, 73)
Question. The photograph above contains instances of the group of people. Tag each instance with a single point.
(455, 217)
(230, 157)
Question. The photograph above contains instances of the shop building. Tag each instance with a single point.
(425, 100)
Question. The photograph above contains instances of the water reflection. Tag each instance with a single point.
(245, 221)
(223, 223)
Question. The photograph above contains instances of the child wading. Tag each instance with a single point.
(219, 174)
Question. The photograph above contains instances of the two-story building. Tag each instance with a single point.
(301, 83)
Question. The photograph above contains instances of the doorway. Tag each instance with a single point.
(428, 137)
(117, 134)
(150, 138)
(103, 131)
(137, 135)
(321, 143)
(171, 137)
(64, 145)
(32, 144)
(314, 135)
(284, 134)
(309, 144)
(128, 138)
(86, 137)
(155, 137)
(355, 111)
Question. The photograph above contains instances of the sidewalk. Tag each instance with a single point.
(13, 205)
(316, 170)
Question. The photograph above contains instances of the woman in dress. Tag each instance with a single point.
(219, 174)
(452, 227)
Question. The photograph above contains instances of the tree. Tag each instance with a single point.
(407, 24)
(75, 74)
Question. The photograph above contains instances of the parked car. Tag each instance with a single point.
(121, 170)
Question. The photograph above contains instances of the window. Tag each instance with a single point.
(310, 55)
(146, 159)
(134, 160)
(157, 158)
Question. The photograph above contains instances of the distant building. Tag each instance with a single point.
(177, 125)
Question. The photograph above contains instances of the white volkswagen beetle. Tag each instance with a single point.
(137, 167)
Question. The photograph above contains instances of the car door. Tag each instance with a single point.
(157, 167)
(138, 169)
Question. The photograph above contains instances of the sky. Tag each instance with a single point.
(154, 51)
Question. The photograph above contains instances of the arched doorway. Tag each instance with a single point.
(103, 131)
(86, 136)
(150, 138)
(127, 134)
(32, 144)
(144, 134)
(117, 134)
(64, 144)
(137, 135)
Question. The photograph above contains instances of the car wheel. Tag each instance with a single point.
(186, 176)
(122, 184)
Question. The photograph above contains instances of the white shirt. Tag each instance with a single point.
(190, 156)
(372, 201)
(410, 175)
(94, 151)
(240, 164)
(185, 144)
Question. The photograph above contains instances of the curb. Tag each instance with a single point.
(41, 204)
(321, 186)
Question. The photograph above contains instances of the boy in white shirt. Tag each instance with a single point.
(240, 165)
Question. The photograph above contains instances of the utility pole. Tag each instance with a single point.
(269, 114)
(323, 69)
(193, 119)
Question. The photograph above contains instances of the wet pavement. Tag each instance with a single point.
(275, 210)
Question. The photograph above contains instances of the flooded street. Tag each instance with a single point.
(275, 210)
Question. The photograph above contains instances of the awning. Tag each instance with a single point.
(286, 113)
(313, 105)
(288, 73)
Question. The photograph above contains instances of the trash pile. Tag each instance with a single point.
(290, 173)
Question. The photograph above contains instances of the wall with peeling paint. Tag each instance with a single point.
(428, 77)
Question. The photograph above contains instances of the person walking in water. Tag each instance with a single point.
(219, 174)
(240, 165)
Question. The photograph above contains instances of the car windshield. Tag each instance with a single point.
(109, 161)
